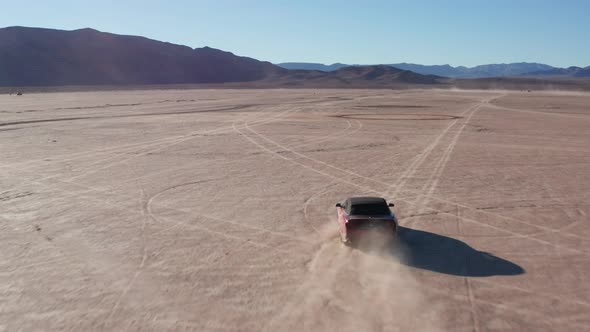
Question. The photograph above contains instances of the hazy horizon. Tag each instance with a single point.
(379, 32)
(424, 64)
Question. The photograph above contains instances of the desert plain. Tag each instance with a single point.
(213, 210)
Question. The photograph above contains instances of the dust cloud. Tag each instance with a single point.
(365, 287)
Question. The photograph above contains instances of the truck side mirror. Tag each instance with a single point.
(338, 205)
(391, 205)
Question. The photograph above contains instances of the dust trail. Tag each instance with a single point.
(365, 288)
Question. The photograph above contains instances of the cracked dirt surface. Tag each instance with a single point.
(213, 210)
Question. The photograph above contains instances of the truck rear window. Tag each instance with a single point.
(370, 209)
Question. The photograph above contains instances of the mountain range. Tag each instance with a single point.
(47, 57)
(39, 57)
(490, 70)
(570, 71)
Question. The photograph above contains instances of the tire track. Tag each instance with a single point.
(328, 138)
(432, 182)
(144, 253)
(319, 161)
(313, 288)
(561, 115)
(145, 213)
(100, 117)
(502, 230)
(401, 183)
(372, 190)
(198, 215)
(159, 145)
(507, 218)
(149, 201)
(325, 189)
(126, 147)
(469, 288)
(369, 189)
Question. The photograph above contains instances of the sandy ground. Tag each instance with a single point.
(213, 210)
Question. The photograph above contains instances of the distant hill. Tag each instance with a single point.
(491, 70)
(440, 70)
(385, 74)
(570, 72)
(47, 57)
(356, 76)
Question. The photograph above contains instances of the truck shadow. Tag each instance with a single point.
(443, 254)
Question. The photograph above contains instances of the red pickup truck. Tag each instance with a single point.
(359, 216)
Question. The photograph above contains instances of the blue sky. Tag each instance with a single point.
(457, 32)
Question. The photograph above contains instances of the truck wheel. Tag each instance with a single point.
(344, 241)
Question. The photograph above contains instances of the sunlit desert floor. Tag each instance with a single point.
(213, 210)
